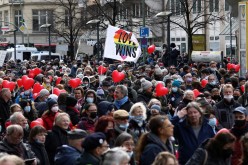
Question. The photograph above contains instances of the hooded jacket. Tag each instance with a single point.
(67, 155)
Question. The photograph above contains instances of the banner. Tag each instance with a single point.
(121, 45)
(206, 56)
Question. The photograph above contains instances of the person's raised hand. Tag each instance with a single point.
(182, 113)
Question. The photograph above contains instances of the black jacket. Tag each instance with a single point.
(88, 159)
(4, 113)
(55, 138)
(40, 152)
(144, 97)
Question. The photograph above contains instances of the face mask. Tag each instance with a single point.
(79, 72)
(55, 109)
(27, 109)
(212, 122)
(123, 127)
(24, 71)
(228, 97)
(174, 89)
(137, 118)
(227, 153)
(235, 97)
(93, 115)
(89, 100)
(213, 83)
(189, 79)
(239, 123)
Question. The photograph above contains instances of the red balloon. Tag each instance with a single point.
(19, 82)
(10, 85)
(37, 87)
(36, 123)
(117, 76)
(35, 95)
(237, 67)
(161, 90)
(73, 83)
(102, 70)
(204, 83)
(58, 80)
(57, 91)
(196, 92)
(228, 66)
(242, 88)
(151, 49)
(37, 71)
(24, 78)
(232, 66)
(79, 81)
(31, 73)
(28, 83)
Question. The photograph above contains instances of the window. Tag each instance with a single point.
(41, 17)
(137, 10)
(197, 6)
(176, 7)
(18, 18)
(227, 6)
(173, 39)
(183, 39)
(214, 5)
(6, 18)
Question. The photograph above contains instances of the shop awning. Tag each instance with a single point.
(235, 27)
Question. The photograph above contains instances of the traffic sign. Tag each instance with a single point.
(144, 32)
(144, 42)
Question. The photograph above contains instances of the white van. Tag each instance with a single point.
(44, 55)
(22, 53)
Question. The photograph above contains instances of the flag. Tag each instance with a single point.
(121, 45)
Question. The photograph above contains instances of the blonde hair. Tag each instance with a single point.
(152, 102)
(59, 116)
(162, 158)
(227, 86)
(141, 106)
(13, 159)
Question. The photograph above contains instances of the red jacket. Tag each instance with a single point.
(48, 119)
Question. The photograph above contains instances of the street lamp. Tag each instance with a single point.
(49, 37)
(97, 22)
(14, 31)
(167, 14)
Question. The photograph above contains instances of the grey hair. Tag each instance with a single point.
(123, 89)
(12, 158)
(3, 91)
(13, 128)
(115, 156)
(186, 92)
(59, 117)
(14, 118)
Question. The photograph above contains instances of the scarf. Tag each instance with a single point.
(119, 103)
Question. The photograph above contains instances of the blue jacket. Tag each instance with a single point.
(186, 138)
(66, 155)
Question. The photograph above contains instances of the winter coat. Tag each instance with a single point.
(66, 155)
(74, 114)
(88, 159)
(137, 129)
(48, 119)
(153, 148)
(144, 97)
(40, 152)
(4, 113)
(186, 138)
(200, 155)
(224, 112)
(55, 138)
(209, 87)
(126, 106)
(24, 150)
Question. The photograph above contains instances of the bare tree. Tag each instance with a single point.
(195, 15)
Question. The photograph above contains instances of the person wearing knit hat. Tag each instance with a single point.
(155, 110)
(94, 146)
(146, 91)
(49, 115)
(71, 110)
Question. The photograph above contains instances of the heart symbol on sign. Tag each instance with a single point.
(117, 76)
(161, 90)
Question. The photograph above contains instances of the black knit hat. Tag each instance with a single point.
(51, 102)
(93, 141)
(71, 101)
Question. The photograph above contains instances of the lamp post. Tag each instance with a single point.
(97, 22)
(14, 31)
(49, 37)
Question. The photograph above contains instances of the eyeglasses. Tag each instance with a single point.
(106, 146)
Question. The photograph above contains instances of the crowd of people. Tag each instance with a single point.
(103, 122)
